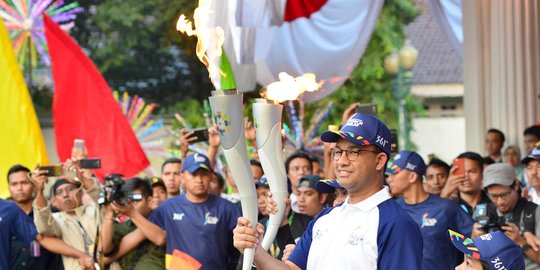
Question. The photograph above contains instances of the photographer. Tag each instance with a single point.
(133, 198)
(517, 217)
(75, 223)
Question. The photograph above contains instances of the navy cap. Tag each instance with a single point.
(263, 182)
(62, 181)
(196, 161)
(407, 160)
(309, 180)
(534, 154)
(495, 248)
(362, 129)
(328, 185)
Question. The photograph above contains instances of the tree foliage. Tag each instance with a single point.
(136, 47)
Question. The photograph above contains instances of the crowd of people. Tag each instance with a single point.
(359, 207)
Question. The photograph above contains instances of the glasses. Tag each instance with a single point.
(502, 196)
(351, 154)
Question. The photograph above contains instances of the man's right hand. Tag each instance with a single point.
(477, 230)
(453, 183)
(86, 262)
(39, 178)
(247, 237)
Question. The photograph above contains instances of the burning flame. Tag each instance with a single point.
(209, 39)
(289, 88)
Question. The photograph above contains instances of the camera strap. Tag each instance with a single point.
(87, 241)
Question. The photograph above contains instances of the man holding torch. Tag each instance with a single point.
(369, 230)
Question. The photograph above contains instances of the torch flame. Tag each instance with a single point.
(289, 88)
(209, 39)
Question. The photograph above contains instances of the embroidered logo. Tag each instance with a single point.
(319, 233)
(198, 158)
(410, 166)
(354, 122)
(177, 216)
(208, 219)
(381, 141)
(486, 237)
(428, 222)
(498, 264)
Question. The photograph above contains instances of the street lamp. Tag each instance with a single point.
(399, 64)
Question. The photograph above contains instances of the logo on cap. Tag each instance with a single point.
(410, 166)
(199, 158)
(380, 140)
(354, 122)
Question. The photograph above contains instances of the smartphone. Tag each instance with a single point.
(201, 134)
(460, 164)
(367, 109)
(90, 163)
(393, 144)
(52, 171)
(79, 144)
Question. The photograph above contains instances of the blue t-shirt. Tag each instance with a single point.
(201, 230)
(435, 216)
(13, 221)
(398, 240)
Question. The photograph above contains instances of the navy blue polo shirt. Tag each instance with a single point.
(13, 221)
(434, 217)
(201, 230)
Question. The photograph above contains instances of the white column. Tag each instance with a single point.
(501, 59)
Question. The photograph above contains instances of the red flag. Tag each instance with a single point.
(84, 107)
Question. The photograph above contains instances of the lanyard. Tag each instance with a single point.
(87, 241)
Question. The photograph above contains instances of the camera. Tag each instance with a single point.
(486, 215)
(114, 193)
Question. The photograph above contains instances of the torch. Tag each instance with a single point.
(267, 117)
(227, 112)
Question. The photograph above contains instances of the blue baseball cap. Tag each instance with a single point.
(362, 129)
(495, 248)
(328, 185)
(534, 154)
(407, 160)
(196, 161)
(263, 182)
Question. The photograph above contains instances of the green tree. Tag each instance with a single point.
(136, 47)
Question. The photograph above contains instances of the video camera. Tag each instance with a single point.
(113, 191)
(486, 215)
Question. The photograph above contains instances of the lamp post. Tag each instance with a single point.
(399, 64)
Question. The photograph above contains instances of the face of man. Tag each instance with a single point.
(67, 197)
(533, 173)
(530, 141)
(341, 196)
(511, 157)
(257, 172)
(400, 182)
(215, 189)
(470, 263)
(262, 194)
(159, 194)
(435, 179)
(197, 184)
(20, 188)
(310, 202)
(356, 175)
(473, 180)
(494, 143)
(503, 197)
(317, 170)
(172, 178)
(142, 206)
(298, 167)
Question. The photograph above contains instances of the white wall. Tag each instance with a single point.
(444, 137)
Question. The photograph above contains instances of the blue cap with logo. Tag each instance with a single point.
(534, 154)
(362, 129)
(196, 161)
(407, 160)
(495, 248)
(328, 185)
(263, 182)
